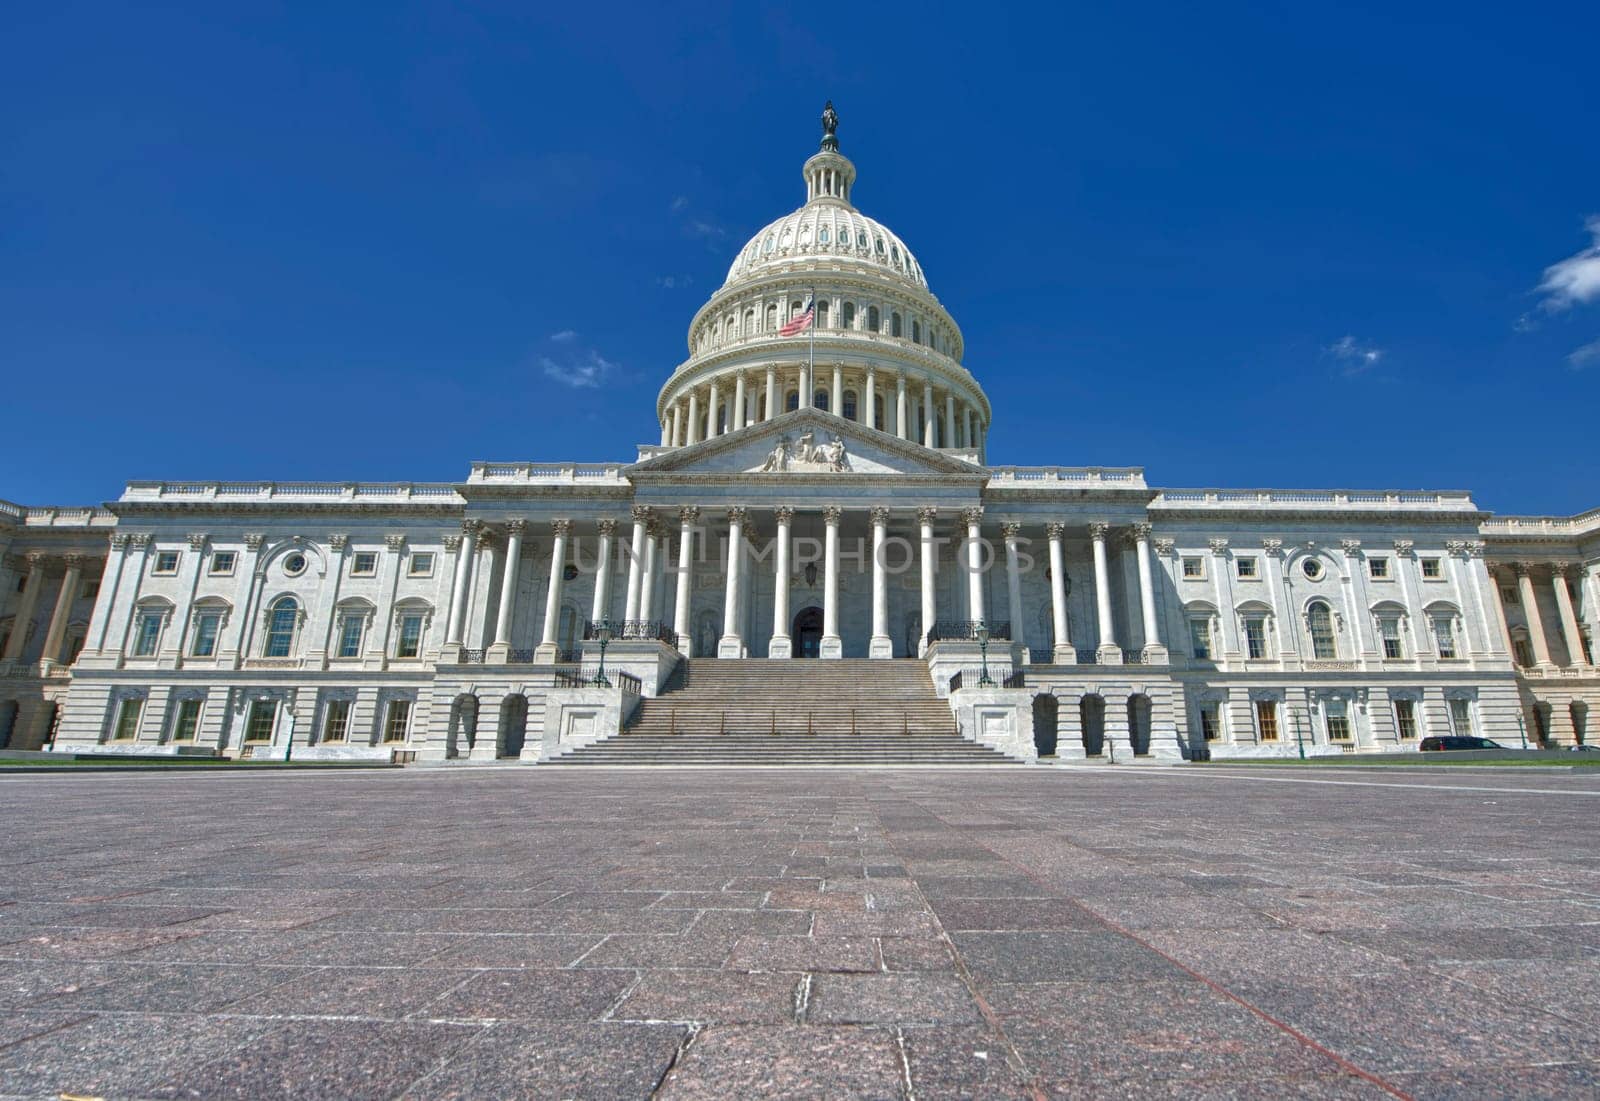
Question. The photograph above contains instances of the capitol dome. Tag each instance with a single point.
(822, 229)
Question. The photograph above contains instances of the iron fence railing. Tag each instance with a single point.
(635, 630)
(958, 630)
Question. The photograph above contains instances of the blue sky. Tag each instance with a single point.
(1297, 245)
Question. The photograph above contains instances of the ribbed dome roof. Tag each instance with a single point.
(826, 228)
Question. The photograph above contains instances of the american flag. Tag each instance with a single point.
(801, 322)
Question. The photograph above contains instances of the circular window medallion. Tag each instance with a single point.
(1312, 568)
(570, 573)
(295, 564)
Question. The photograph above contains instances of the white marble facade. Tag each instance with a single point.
(847, 465)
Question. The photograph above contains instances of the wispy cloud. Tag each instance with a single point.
(1574, 281)
(565, 336)
(672, 282)
(587, 372)
(1354, 357)
(679, 202)
(1585, 357)
(709, 231)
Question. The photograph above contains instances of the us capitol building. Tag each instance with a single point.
(820, 492)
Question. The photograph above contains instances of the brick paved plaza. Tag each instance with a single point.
(682, 934)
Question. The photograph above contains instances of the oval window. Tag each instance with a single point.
(1312, 568)
(295, 564)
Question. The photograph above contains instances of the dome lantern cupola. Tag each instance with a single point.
(829, 174)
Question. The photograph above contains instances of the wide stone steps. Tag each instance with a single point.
(734, 750)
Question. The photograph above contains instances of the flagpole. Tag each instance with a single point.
(812, 373)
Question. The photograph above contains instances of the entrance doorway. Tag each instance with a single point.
(807, 633)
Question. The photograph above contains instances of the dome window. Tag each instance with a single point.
(769, 244)
(874, 319)
(822, 235)
(880, 246)
(894, 324)
(848, 315)
(916, 332)
(861, 239)
(894, 251)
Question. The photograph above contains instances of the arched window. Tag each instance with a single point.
(822, 235)
(794, 308)
(1320, 621)
(849, 406)
(282, 619)
(749, 321)
(848, 316)
(877, 411)
(821, 400)
(894, 324)
(822, 315)
(772, 318)
(916, 332)
(792, 402)
(722, 419)
(874, 319)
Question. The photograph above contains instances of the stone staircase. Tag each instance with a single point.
(768, 713)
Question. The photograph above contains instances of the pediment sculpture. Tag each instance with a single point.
(806, 455)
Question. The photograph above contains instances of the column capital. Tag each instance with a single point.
(36, 560)
(880, 516)
(252, 539)
(561, 527)
(1351, 547)
(119, 539)
(75, 561)
(832, 515)
(1465, 548)
(197, 540)
(452, 543)
(641, 514)
(1562, 569)
(738, 515)
(689, 515)
(1011, 529)
(608, 526)
(927, 514)
(1099, 529)
(395, 540)
(1403, 547)
(1141, 529)
(784, 514)
(472, 528)
(1055, 530)
(1273, 547)
(516, 527)
(1218, 546)
(970, 516)
(1522, 569)
(339, 540)
(1166, 546)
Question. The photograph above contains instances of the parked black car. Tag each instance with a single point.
(1457, 741)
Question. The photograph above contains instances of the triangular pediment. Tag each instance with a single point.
(806, 443)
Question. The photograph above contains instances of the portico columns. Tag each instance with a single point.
(930, 562)
(966, 426)
(927, 414)
(677, 425)
(870, 417)
(500, 649)
(973, 519)
(1064, 653)
(694, 417)
(1530, 608)
(1014, 586)
(649, 573)
(1569, 621)
(552, 606)
(836, 396)
(63, 609)
(736, 422)
(781, 646)
(602, 573)
(832, 645)
(688, 517)
(772, 391)
(732, 643)
(458, 594)
(1108, 653)
(641, 527)
(881, 646)
(712, 426)
(949, 419)
(901, 425)
(1154, 652)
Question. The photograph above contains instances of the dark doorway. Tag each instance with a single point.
(1139, 725)
(807, 633)
(1092, 714)
(1046, 709)
(513, 725)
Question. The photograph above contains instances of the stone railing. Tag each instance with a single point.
(297, 492)
(1123, 477)
(51, 516)
(1292, 499)
(1585, 523)
(546, 473)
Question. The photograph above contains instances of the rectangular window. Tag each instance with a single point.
(1378, 568)
(146, 634)
(1194, 569)
(336, 721)
(397, 722)
(1255, 636)
(258, 727)
(1389, 630)
(1432, 569)
(127, 728)
(187, 723)
(1405, 719)
(1246, 568)
(206, 626)
(409, 644)
(421, 564)
(1461, 717)
(90, 589)
(222, 563)
(1211, 721)
(1200, 638)
(166, 562)
(1267, 720)
(350, 630)
(364, 564)
(1444, 636)
(1508, 596)
(1338, 716)
(1524, 656)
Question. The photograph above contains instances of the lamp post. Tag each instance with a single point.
(984, 680)
(1522, 727)
(1299, 734)
(602, 632)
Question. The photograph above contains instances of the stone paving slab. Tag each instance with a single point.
(878, 934)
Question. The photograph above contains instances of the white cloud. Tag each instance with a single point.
(672, 282)
(1354, 357)
(589, 371)
(1586, 356)
(1575, 280)
(679, 202)
(565, 336)
(699, 227)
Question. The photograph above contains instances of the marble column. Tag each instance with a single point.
(550, 643)
(972, 556)
(458, 593)
(836, 397)
(966, 426)
(869, 410)
(731, 644)
(927, 414)
(930, 565)
(677, 425)
(808, 389)
(694, 418)
(881, 646)
(902, 427)
(641, 528)
(772, 391)
(713, 428)
(949, 420)
(781, 646)
(601, 609)
(1109, 652)
(1063, 653)
(832, 645)
(737, 420)
(688, 518)
(500, 649)
(62, 612)
(647, 573)
(1014, 589)
(1530, 609)
(1569, 620)
(1154, 652)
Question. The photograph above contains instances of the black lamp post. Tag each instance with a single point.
(984, 680)
(602, 632)
(1299, 735)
